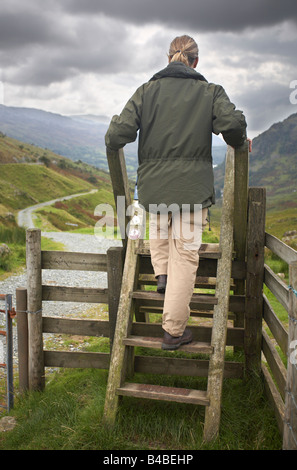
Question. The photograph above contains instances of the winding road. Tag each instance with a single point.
(25, 216)
(86, 243)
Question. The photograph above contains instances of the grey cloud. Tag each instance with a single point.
(19, 29)
(210, 15)
(49, 42)
(266, 104)
(45, 49)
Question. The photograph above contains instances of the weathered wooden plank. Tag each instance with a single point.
(156, 343)
(159, 392)
(274, 398)
(75, 294)
(73, 261)
(201, 299)
(143, 364)
(34, 305)
(123, 324)
(206, 268)
(183, 367)
(120, 186)
(279, 248)
(277, 286)
(275, 363)
(220, 316)
(236, 305)
(290, 420)
(76, 359)
(241, 177)
(254, 279)
(207, 250)
(22, 335)
(200, 283)
(114, 277)
(241, 185)
(235, 336)
(75, 326)
(275, 325)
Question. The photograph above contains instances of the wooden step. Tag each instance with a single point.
(207, 250)
(160, 392)
(156, 343)
(202, 282)
(199, 301)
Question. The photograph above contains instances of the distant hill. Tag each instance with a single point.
(78, 137)
(81, 139)
(273, 164)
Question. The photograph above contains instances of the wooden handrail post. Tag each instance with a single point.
(241, 183)
(34, 306)
(22, 329)
(290, 420)
(220, 314)
(120, 185)
(254, 280)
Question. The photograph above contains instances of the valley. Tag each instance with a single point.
(35, 179)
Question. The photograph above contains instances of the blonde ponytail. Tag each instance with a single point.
(183, 49)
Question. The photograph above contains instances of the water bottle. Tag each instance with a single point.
(135, 225)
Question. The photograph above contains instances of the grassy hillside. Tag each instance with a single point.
(30, 175)
(272, 164)
(72, 137)
(22, 185)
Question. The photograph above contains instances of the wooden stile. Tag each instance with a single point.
(243, 271)
(215, 261)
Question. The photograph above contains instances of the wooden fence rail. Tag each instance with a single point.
(280, 375)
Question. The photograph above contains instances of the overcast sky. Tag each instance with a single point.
(89, 56)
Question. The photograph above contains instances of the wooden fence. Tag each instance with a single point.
(280, 375)
(32, 325)
(249, 309)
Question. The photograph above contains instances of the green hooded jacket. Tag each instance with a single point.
(176, 113)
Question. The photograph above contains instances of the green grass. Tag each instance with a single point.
(22, 185)
(68, 416)
(15, 238)
(278, 222)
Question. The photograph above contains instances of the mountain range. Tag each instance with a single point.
(273, 164)
(78, 137)
(81, 138)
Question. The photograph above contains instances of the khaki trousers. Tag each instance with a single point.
(174, 244)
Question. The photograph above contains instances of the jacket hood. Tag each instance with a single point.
(178, 70)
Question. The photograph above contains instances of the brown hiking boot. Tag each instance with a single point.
(161, 285)
(174, 342)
